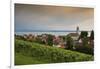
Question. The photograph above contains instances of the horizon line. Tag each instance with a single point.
(52, 30)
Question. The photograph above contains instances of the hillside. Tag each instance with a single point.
(35, 53)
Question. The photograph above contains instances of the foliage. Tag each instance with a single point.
(85, 49)
(92, 35)
(19, 37)
(47, 54)
(69, 41)
(83, 34)
(50, 39)
(22, 59)
(38, 40)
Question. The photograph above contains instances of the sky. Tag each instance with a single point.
(46, 17)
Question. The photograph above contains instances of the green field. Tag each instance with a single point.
(35, 53)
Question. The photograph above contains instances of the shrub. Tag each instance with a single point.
(85, 49)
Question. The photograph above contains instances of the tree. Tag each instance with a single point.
(92, 35)
(83, 34)
(50, 39)
(69, 42)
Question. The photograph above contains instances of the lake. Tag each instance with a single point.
(57, 33)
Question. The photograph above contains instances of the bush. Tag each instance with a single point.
(85, 49)
(50, 54)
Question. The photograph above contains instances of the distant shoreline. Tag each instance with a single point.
(52, 31)
(56, 33)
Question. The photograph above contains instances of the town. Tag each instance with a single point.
(78, 41)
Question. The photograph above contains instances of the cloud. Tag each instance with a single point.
(39, 17)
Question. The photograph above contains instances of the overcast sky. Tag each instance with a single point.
(40, 17)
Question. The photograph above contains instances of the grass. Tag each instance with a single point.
(35, 53)
(21, 59)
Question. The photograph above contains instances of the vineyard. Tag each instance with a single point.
(34, 53)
